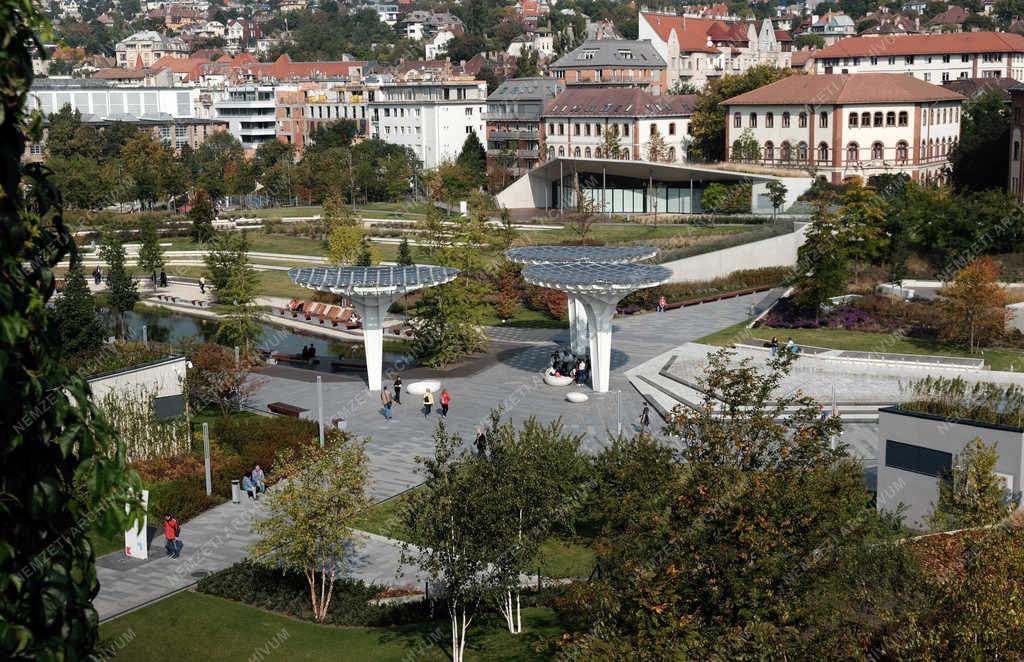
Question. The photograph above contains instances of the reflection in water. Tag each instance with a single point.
(176, 328)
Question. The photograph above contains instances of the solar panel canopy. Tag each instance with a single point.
(571, 254)
(593, 276)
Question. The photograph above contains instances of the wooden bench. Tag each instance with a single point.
(286, 409)
(298, 360)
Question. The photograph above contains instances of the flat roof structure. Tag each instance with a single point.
(372, 291)
(599, 287)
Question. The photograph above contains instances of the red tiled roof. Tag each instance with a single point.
(952, 16)
(843, 88)
(119, 74)
(610, 102)
(692, 33)
(934, 44)
(783, 35)
(800, 57)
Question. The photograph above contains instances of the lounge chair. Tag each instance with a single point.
(331, 314)
(318, 309)
(343, 318)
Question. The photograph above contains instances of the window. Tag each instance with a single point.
(597, 152)
(785, 120)
(823, 120)
(769, 120)
(753, 120)
(852, 153)
(672, 128)
(736, 121)
(654, 129)
(965, 57)
(903, 118)
(801, 151)
(943, 120)
(786, 152)
(892, 59)
(890, 118)
(625, 129)
(561, 129)
(671, 154)
(561, 150)
(576, 152)
(586, 128)
(853, 119)
(1016, 150)
(551, 129)
(901, 152)
(874, 60)
(575, 129)
(469, 111)
(587, 152)
(802, 120)
(945, 58)
(877, 119)
(769, 151)
(917, 459)
(877, 151)
(908, 59)
(823, 152)
(597, 129)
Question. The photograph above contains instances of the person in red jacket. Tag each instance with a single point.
(171, 531)
(446, 400)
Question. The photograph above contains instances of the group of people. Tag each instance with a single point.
(159, 280)
(308, 352)
(393, 396)
(565, 363)
(254, 483)
(791, 346)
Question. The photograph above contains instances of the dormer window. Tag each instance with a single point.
(624, 54)
(588, 54)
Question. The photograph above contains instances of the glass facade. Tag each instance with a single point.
(623, 195)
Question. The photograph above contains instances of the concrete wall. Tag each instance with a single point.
(162, 375)
(795, 187)
(527, 192)
(919, 492)
(778, 251)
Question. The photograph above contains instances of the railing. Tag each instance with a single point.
(521, 134)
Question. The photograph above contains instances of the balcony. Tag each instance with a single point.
(521, 134)
(527, 153)
(512, 117)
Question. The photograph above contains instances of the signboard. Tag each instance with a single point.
(136, 543)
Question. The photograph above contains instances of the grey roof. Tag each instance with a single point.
(518, 89)
(367, 280)
(576, 254)
(595, 276)
(597, 53)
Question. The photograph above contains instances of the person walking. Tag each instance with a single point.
(428, 402)
(171, 532)
(446, 400)
(398, 389)
(259, 479)
(480, 441)
(163, 278)
(581, 372)
(385, 399)
(773, 346)
(97, 276)
(645, 417)
(661, 304)
(202, 285)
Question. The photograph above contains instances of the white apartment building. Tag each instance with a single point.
(147, 47)
(99, 101)
(842, 125)
(697, 50)
(432, 118)
(574, 124)
(935, 58)
(250, 112)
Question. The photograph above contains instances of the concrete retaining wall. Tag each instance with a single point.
(778, 251)
(162, 376)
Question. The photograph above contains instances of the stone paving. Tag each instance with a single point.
(511, 376)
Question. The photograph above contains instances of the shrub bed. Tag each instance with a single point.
(877, 314)
(647, 299)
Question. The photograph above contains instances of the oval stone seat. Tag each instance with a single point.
(421, 387)
(576, 396)
(552, 380)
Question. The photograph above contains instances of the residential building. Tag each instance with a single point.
(250, 112)
(386, 13)
(513, 122)
(575, 122)
(917, 450)
(935, 58)
(539, 40)
(432, 118)
(612, 62)
(242, 31)
(104, 101)
(840, 125)
(951, 20)
(697, 50)
(142, 49)
(893, 26)
(972, 88)
(832, 27)
(302, 111)
(1016, 181)
(175, 17)
(436, 46)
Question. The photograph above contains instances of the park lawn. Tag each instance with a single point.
(558, 557)
(259, 242)
(103, 545)
(196, 626)
(865, 341)
(626, 232)
(526, 318)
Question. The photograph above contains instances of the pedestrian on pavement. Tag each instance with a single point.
(480, 442)
(446, 399)
(398, 389)
(152, 278)
(661, 304)
(97, 276)
(259, 479)
(428, 402)
(581, 372)
(773, 346)
(163, 278)
(645, 417)
(171, 532)
(202, 285)
(385, 399)
(248, 485)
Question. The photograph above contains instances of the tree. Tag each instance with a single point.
(582, 217)
(984, 131)
(55, 440)
(611, 147)
(122, 288)
(657, 151)
(215, 380)
(365, 257)
(526, 63)
(154, 170)
(234, 281)
(508, 229)
(202, 213)
(745, 147)
(975, 303)
(777, 196)
(330, 135)
(971, 494)
(404, 254)
(822, 264)
(228, 253)
(311, 511)
(345, 244)
(335, 213)
(151, 256)
(221, 167)
(81, 328)
(808, 40)
(473, 159)
(708, 122)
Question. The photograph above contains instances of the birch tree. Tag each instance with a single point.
(311, 512)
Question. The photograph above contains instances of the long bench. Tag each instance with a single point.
(715, 297)
(286, 409)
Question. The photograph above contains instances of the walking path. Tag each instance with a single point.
(511, 378)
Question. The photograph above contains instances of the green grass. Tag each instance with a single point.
(526, 318)
(626, 232)
(259, 242)
(103, 545)
(557, 557)
(195, 626)
(864, 341)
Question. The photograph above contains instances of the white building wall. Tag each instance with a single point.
(105, 102)
(934, 68)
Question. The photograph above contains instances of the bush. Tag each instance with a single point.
(184, 498)
(258, 439)
(676, 292)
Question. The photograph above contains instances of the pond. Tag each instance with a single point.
(175, 328)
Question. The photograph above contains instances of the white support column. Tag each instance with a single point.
(600, 312)
(372, 310)
(578, 334)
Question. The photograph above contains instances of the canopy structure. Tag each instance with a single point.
(599, 287)
(578, 333)
(372, 290)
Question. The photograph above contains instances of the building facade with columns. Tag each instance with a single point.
(844, 125)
